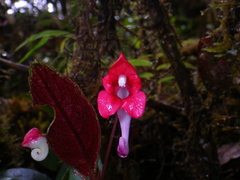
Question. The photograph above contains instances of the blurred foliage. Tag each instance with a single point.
(17, 117)
(193, 91)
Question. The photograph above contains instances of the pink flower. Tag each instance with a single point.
(122, 95)
(37, 142)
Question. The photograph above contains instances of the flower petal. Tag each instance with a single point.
(122, 93)
(31, 136)
(108, 104)
(122, 148)
(109, 83)
(134, 105)
(37, 142)
(125, 121)
(122, 66)
(40, 149)
(134, 83)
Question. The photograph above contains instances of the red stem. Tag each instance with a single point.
(109, 147)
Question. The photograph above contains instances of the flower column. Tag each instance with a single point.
(122, 95)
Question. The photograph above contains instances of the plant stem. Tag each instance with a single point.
(14, 64)
(109, 146)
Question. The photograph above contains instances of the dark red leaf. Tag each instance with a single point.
(74, 135)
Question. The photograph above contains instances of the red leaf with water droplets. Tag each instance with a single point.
(74, 135)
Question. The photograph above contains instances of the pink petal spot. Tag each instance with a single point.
(32, 135)
(108, 104)
(135, 104)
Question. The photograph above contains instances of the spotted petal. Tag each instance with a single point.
(108, 104)
(134, 105)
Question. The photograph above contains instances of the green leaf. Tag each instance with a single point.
(166, 79)
(189, 41)
(48, 110)
(47, 33)
(219, 47)
(167, 65)
(219, 5)
(146, 75)
(62, 45)
(137, 43)
(163, 66)
(67, 173)
(52, 162)
(189, 66)
(43, 41)
(74, 176)
(63, 173)
(141, 61)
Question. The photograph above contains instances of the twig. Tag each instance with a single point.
(128, 30)
(14, 64)
(166, 108)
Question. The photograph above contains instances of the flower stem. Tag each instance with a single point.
(109, 146)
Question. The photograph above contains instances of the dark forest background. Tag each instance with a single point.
(186, 53)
